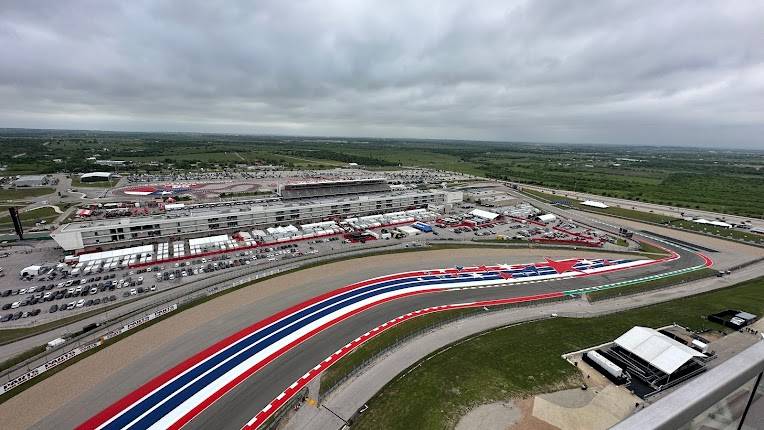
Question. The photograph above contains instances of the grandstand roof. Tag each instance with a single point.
(302, 190)
(660, 351)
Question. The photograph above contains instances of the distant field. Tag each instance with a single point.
(626, 213)
(718, 231)
(23, 193)
(523, 360)
(720, 181)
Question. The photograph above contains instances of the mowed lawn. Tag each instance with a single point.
(525, 359)
(23, 193)
(29, 218)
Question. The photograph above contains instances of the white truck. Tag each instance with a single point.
(55, 343)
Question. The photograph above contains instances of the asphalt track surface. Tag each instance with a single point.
(245, 400)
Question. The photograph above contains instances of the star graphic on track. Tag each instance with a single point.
(563, 265)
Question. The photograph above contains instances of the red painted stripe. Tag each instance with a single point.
(302, 382)
(239, 379)
(161, 379)
(153, 384)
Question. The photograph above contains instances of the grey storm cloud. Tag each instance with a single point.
(622, 72)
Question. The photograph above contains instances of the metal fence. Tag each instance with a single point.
(191, 291)
(432, 327)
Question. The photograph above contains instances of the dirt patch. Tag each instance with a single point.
(492, 416)
(591, 409)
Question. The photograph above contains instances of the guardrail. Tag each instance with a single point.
(434, 326)
(63, 358)
(204, 287)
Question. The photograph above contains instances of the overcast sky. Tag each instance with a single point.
(622, 72)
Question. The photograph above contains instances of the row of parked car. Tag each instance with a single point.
(81, 303)
(19, 315)
(69, 283)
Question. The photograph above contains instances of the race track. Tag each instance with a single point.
(230, 383)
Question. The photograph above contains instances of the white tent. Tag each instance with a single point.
(545, 218)
(116, 253)
(484, 214)
(594, 204)
(662, 352)
(716, 223)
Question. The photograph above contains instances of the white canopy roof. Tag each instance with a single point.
(484, 214)
(716, 223)
(116, 253)
(594, 204)
(659, 350)
(200, 241)
(96, 175)
(547, 217)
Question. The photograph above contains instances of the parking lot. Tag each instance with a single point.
(59, 293)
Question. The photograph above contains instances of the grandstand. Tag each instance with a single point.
(306, 190)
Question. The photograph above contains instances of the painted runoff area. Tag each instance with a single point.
(301, 383)
(173, 398)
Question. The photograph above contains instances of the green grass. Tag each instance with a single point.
(525, 359)
(728, 233)
(630, 214)
(384, 340)
(14, 334)
(548, 197)
(616, 211)
(21, 357)
(650, 285)
(24, 193)
(29, 218)
(650, 249)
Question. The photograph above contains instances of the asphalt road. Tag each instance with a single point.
(246, 400)
(242, 403)
(238, 406)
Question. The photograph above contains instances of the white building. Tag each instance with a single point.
(198, 222)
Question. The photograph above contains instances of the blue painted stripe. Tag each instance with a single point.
(261, 340)
(276, 331)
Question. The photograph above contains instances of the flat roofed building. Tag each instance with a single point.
(197, 222)
(31, 181)
(96, 176)
(332, 188)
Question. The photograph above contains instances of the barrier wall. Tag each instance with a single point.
(37, 371)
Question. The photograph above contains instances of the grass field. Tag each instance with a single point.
(525, 359)
(29, 218)
(622, 212)
(24, 193)
(718, 231)
(12, 334)
(383, 341)
(650, 285)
